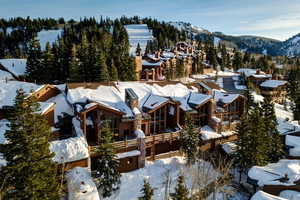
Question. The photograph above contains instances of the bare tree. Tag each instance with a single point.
(209, 177)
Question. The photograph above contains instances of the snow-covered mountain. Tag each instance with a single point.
(253, 44)
(291, 47)
(189, 28)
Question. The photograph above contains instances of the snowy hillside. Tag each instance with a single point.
(192, 29)
(138, 34)
(291, 47)
(15, 66)
(50, 36)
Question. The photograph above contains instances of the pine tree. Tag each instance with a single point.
(147, 191)
(30, 172)
(224, 57)
(181, 191)
(276, 143)
(101, 67)
(237, 60)
(294, 91)
(243, 151)
(190, 141)
(48, 64)
(106, 173)
(250, 99)
(75, 70)
(253, 140)
(34, 61)
(113, 71)
(179, 68)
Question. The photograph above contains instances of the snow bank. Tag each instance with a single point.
(260, 195)
(272, 173)
(50, 36)
(155, 172)
(290, 194)
(81, 185)
(15, 66)
(71, 149)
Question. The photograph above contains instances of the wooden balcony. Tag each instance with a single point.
(161, 138)
(120, 147)
(130, 145)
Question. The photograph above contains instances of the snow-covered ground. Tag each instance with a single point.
(50, 36)
(14, 65)
(81, 185)
(156, 173)
(138, 34)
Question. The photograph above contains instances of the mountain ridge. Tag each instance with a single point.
(249, 43)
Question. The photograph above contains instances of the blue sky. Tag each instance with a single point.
(278, 19)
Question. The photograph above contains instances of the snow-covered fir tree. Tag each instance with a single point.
(147, 191)
(30, 172)
(106, 166)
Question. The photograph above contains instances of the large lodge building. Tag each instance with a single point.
(147, 119)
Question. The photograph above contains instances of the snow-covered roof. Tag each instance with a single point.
(168, 54)
(225, 98)
(8, 91)
(61, 106)
(272, 173)
(106, 95)
(154, 101)
(14, 65)
(147, 63)
(260, 195)
(294, 142)
(81, 185)
(50, 36)
(290, 194)
(71, 149)
(45, 106)
(253, 72)
(272, 83)
(138, 34)
(229, 147)
(198, 98)
(207, 133)
(128, 154)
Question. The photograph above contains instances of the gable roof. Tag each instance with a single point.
(272, 83)
(209, 85)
